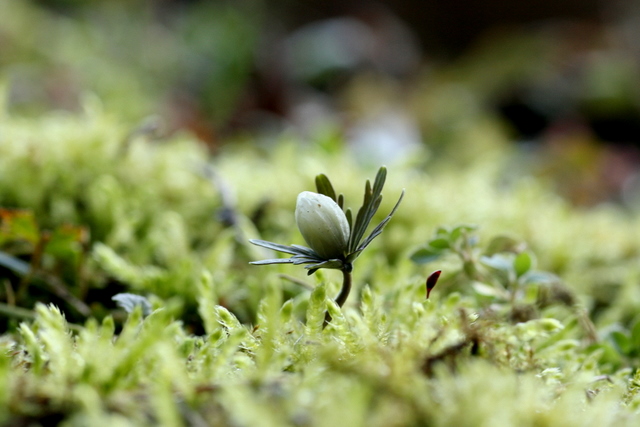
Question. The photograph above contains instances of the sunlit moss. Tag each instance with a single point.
(228, 344)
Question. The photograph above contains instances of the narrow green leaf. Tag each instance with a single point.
(365, 215)
(304, 250)
(272, 261)
(332, 264)
(293, 250)
(323, 184)
(356, 232)
(381, 177)
(303, 259)
(378, 229)
(360, 217)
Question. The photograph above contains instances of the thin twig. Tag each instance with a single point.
(296, 281)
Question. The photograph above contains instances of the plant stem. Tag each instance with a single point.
(344, 292)
(346, 287)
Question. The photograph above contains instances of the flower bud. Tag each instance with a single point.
(322, 224)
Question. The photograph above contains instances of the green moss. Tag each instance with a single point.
(537, 328)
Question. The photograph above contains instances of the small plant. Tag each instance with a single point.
(334, 237)
(503, 273)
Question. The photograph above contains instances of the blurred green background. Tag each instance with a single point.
(144, 142)
(559, 78)
(197, 122)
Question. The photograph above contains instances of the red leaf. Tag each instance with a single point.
(432, 280)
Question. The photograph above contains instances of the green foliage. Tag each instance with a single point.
(422, 362)
(539, 333)
(127, 298)
(196, 59)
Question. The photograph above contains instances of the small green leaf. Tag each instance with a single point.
(503, 244)
(497, 262)
(349, 216)
(323, 184)
(381, 177)
(442, 232)
(439, 243)
(522, 263)
(460, 230)
(538, 278)
(426, 255)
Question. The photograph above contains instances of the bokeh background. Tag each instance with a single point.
(557, 78)
(143, 143)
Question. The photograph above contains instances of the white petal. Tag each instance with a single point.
(322, 224)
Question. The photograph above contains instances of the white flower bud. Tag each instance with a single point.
(322, 224)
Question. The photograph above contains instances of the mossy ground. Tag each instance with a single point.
(534, 321)
(550, 340)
